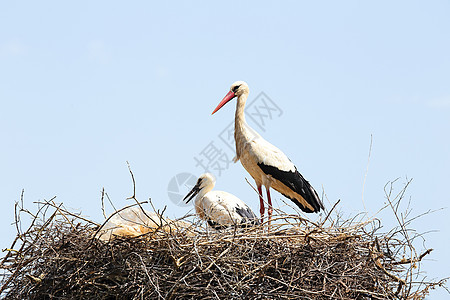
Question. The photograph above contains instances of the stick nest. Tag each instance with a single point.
(58, 257)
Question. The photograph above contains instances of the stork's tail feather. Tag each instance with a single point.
(302, 190)
(311, 198)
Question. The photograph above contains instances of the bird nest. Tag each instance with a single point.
(59, 256)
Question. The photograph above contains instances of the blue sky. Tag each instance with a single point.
(85, 87)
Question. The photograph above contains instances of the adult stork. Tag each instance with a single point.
(266, 163)
(220, 209)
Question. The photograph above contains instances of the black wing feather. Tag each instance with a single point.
(248, 216)
(248, 219)
(296, 182)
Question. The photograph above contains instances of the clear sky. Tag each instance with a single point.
(86, 86)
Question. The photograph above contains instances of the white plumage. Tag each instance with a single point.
(220, 209)
(134, 221)
(267, 164)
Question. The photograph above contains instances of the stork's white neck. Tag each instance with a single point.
(240, 107)
(242, 132)
(205, 190)
(239, 118)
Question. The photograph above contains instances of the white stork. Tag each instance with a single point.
(220, 209)
(266, 163)
(133, 221)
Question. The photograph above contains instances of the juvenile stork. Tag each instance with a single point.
(219, 209)
(266, 163)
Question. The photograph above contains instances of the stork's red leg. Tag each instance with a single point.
(261, 203)
(270, 209)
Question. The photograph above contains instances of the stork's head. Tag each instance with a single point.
(205, 183)
(237, 89)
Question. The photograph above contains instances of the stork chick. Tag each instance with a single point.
(220, 209)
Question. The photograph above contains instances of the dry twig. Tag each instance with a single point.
(57, 258)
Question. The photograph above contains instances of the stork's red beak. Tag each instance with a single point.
(224, 101)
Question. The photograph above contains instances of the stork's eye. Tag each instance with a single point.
(236, 88)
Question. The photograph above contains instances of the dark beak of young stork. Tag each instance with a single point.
(224, 101)
(195, 190)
